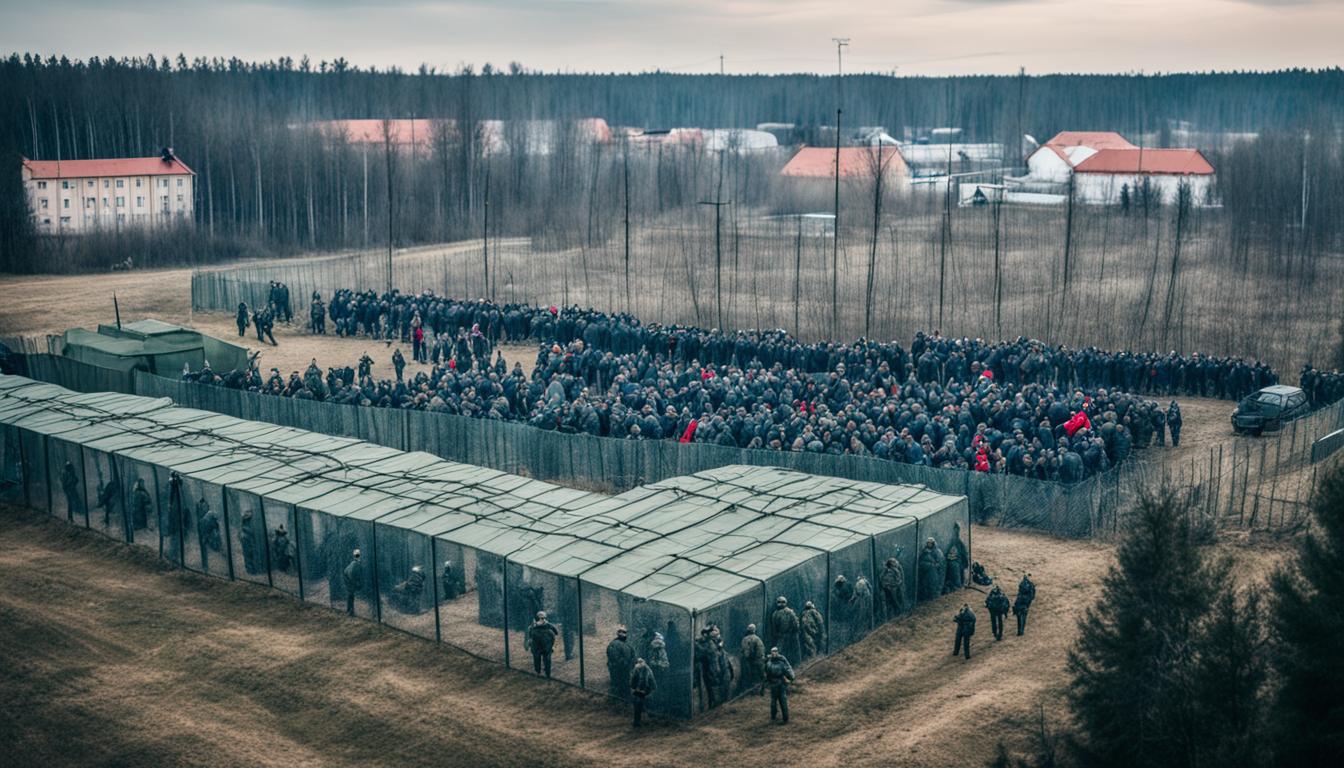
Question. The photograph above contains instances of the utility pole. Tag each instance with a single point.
(387, 146)
(485, 237)
(840, 44)
(718, 255)
(628, 306)
(720, 65)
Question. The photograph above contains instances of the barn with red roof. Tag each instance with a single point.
(1103, 165)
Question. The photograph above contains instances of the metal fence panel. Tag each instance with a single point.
(104, 495)
(66, 462)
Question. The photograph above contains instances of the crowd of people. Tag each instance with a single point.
(1020, 406)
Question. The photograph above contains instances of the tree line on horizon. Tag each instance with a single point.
(269, 183)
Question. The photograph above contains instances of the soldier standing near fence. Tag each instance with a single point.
(1174, 423)
(642, 685)
(241, 319)
(892, 582)
(778, 675)
(317, 315)
(1026, 595)
(350, 579)
(541, 641)
(753, 662)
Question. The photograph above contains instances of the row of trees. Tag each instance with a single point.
(1186, 661)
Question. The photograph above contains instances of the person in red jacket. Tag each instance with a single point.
(1079, 421)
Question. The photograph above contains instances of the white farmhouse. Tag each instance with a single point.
(1055, 160)
(1103, 177)
(74, 196)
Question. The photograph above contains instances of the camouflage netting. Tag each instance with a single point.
(468, 556)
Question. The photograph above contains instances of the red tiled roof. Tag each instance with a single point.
(1097, 140)
(1176, 161)
(113, 166)
(819, 162)
(1094, 139)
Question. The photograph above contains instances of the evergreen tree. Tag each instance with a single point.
(1133, 665)
(1308, 622)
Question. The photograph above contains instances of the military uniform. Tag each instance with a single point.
(965, 620)
(892, 582)
(778, 675)
(784, 630)
(997, 605)
(753, 662)
(1026, 594)
(813, 631)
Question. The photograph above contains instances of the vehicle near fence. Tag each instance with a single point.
(1268, 409)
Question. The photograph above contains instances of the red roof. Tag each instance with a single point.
(1093, 139)
(1176, 161)
(112, 166)
(819, 162)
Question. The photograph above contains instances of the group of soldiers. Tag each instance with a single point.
(1321, 387)
(263, 318)
(998, 605)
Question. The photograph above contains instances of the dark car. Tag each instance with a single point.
(1268, 409)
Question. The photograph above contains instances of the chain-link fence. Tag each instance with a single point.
(1244, 482)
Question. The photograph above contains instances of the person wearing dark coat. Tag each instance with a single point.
(778, 676)
(784, 629)
(142, 505)
(1026, 594)
(242, 319)
(932, 570)
(350, 579)
(998, 606)
(965, 620)
(642, 685)
(1174, 423)
(280, 556)
(620, 662)
(541, 641)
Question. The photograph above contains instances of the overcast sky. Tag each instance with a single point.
(914, 37)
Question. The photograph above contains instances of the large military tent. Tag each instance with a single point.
(466, 555)
(151, 345)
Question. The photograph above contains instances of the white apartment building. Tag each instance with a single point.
(74, 196)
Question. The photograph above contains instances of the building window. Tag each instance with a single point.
(179, 182)
(90, 202)
(139, 182)
(65, 203)
(107, 183)
(42, 185)
(121, 201)
(179, 198)
(139, 201)
(121, 183)
(47, 222)
(44, 203)
(65, 219)
(121, 217)
(104, 202)
(90, 184)
(65, 184)
(163, 182)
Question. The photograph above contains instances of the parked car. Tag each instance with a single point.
(1268, 409)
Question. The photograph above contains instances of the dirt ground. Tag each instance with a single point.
(109, 657)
